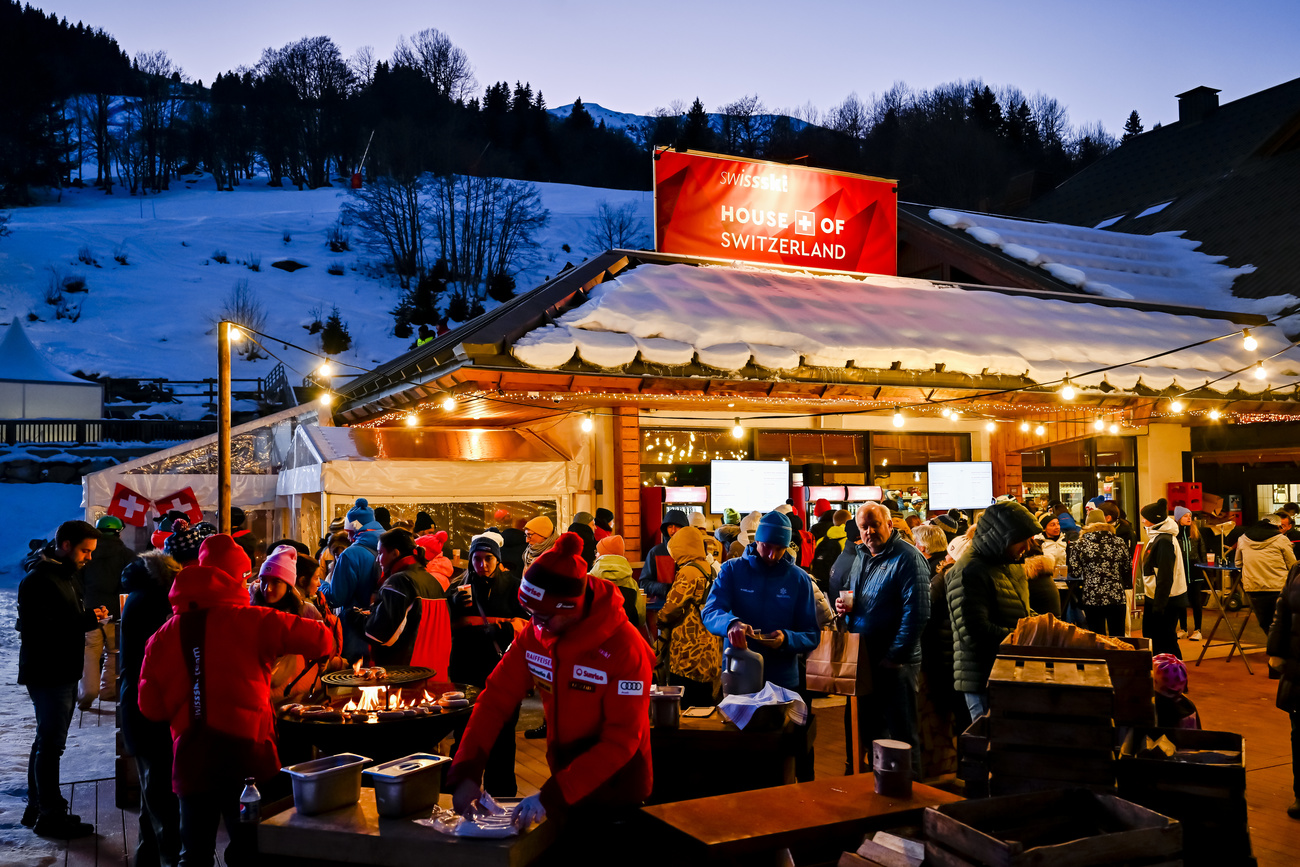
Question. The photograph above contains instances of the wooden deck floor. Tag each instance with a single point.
(1227, 698)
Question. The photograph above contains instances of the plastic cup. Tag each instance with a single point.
(1209, 559)
(846, 597)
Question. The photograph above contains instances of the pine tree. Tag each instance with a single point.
(697, 134)
(334, 337)
(580, 118)
(1132, 127)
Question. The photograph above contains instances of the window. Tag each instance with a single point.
(681, 446)
(917, 450)
(830, 450)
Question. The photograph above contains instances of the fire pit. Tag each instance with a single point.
(382, 719)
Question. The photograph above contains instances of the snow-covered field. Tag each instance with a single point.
(152, 317)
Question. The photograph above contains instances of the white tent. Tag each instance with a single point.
(32, 387)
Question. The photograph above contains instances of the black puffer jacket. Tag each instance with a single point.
(394, 620)
(986, 596)
(53, 621)
(147, 580)
(103, 574)
(474, 640)
(1284, 641)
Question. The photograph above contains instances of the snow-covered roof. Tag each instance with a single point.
(726, 317)
(1162, 268)
(21, 361)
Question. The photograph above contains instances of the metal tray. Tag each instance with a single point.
(327, 783)
(408, 784)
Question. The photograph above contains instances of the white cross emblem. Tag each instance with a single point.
(805, 223)
(131, 505)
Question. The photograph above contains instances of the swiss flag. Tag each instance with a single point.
(184, 501)
(131, 507)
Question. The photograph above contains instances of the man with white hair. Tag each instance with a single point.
(890, 582)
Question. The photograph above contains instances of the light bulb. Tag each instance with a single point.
(448, 402)
(1214, 414)
(234, 333)
(1114, 429)
(885, 462)
(1260, 372)
(1176, 405)
(587, 424)
(1024, 427)
(947, 413)
(1099, 424)
(991, 426)
(1067, 392)
(737, 431)
(898, 419)
(1040, 430)
(412, 419)
(326, 369)
(326, 399)
(1250, 342)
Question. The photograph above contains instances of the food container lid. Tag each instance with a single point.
(415, 763)
(325, 765)
(667, 691)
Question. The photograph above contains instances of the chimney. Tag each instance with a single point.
(1197, 104)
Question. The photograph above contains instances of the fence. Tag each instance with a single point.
(93, 431)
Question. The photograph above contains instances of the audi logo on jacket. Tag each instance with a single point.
(594, 680)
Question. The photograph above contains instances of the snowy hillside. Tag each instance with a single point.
(632, 124)
(153, 316)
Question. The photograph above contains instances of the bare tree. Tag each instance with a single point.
(436, 57)
(314, 68)
(851, 117)
(745, 125)
(362, 65)
(394, 215)
(1052, 118)
(486, 227)
(615, 227)
(158, 112)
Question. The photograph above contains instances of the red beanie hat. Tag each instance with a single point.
(821, 507)
(432, 544)
(557, 579)
(221, 551)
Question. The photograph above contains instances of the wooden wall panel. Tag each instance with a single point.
(627, 478)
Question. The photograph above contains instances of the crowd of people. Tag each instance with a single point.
(218, 628)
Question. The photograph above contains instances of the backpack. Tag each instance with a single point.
(824, 557)
(807, 547)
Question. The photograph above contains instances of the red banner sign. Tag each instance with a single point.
(774, 214)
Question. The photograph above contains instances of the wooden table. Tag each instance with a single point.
(710, 756)
(356, 835)
(832, 813)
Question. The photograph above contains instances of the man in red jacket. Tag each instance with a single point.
(592, 668)
(207, 671)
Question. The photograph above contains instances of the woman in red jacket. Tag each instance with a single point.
(592, 668)
(207, 672)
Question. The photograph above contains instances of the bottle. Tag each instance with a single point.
(742, 671)
(250, 803)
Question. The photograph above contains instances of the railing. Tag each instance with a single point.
(109, 430)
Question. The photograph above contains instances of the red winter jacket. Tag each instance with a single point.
(594, 681)
(242, 643)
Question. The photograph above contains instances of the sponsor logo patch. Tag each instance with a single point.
(543, 661)
(631, 687)
(590, 675)
(541, 673)
(532, 591)
(585, 687)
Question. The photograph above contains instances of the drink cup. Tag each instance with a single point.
(468, 589)
(846, 597)
(1209, 558)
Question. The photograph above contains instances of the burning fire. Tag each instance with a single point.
(377, 698)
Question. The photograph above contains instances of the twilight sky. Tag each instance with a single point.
(1101, 59)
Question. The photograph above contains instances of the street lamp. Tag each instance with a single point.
(226, 332)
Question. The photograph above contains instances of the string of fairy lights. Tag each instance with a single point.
(971, 408)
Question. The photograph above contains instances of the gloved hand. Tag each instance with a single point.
(466, 793)
(529, 811)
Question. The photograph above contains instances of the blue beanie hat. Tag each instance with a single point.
(773, 528)
(361, 513)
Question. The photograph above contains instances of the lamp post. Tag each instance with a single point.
(226, 331)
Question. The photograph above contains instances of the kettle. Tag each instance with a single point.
(742, 671)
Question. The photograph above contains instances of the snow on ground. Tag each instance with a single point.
(152, 317)
(1163, 268)
(666, 313)
(31, 512)
(634, 124)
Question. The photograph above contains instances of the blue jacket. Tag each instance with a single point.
(891, 600)
(766, 596)
(353, 578)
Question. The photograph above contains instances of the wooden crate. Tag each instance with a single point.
(1064, 766)
(1035, 730)
(1051, 687)
(972, 758)
(1062, 828)
(1130, 675)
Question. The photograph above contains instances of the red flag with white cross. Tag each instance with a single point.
(131, 507)
(183, 501)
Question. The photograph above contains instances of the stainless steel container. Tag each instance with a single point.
(666, 706)
(327, 783)
(406, 785)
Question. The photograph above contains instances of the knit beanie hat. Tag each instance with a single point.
(1157, 511)
(1169, 674)
(360, 514)
(282, 564)
(1179, 511)
(488, 542)
(698, 521)
(541, 525)
(945, 523)
(821, 507)
(852, 532)
(1094, 516)
(784, 509)
(774, 529)
(336, 526)
(432, 544)
(557, 578)
(220, 551)
(423, 521)
(730, 516)
(611, 545)
(183, 544)
(584, 518)
(604, 519)
(237, 517)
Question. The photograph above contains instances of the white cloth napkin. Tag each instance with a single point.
(740, 708)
